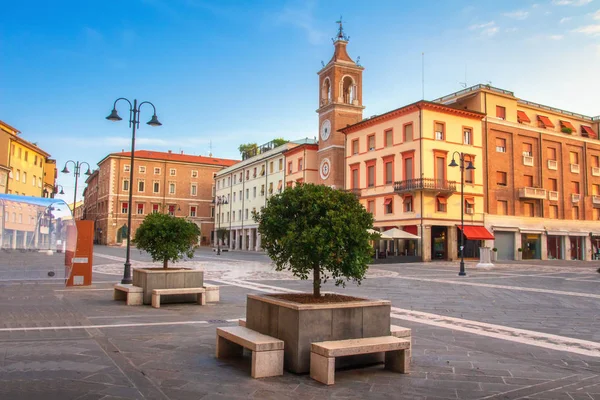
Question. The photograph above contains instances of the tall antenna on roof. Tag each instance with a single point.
(423, 75)
(210, 148)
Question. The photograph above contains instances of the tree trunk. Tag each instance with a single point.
(166, 263)
(316, 281)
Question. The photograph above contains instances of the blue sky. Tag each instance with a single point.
(229, 72)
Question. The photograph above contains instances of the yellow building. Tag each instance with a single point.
(397, 164)
(31, 172)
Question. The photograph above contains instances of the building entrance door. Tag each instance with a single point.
(439, 243)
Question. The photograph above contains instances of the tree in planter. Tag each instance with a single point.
(313, 228)
(167, 238)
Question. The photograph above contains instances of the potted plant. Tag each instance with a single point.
(520, 254)
(494, 254)
(167, 239)
(314, 230)
(566, 130)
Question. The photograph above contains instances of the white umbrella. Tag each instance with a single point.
(381, 235)
(396, 233)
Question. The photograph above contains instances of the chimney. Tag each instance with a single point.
(170, 151)
(181, 151)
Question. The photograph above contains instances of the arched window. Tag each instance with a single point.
(326, 92)
(348, 90)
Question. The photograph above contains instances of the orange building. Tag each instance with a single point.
(301, 164)
(542, 181)
(178, 184)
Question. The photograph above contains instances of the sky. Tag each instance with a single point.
(222, 73)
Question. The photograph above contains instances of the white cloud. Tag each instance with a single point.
(593, 30)
(518, 14)
(564, 19)
(488, 29)
(482, 26)
(596, 15)
(576, 3)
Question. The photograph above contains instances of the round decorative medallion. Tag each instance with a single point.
(325, 130)
(325, 168)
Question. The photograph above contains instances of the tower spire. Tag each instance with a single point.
(340, 35)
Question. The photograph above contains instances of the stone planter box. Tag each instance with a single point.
(150, 279)
(298, 325)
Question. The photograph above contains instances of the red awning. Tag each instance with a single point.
(477, 233)
(387, 202)
(442, 200)
(411, 229)
(587, 131)
(545, 121)
(522, 117)
(470, 201)
(567, 124)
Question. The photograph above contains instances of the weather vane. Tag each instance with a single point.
(340, 35)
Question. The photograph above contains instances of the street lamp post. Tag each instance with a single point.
(220, 201)
(76, 171)
(56, 190)
(134, 122)
(461, 159)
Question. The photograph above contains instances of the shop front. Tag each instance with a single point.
(555, 244)
(531, 246)
(595, 246)
(576, 247)
(473, 238)
(439, 242)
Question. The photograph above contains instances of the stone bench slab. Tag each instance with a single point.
(400, 331)
(157, 293)
(133, 295)
(267, 352)
(349, 347)
(250, 339)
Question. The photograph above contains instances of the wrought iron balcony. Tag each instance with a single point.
(425, 184)
(532, 193)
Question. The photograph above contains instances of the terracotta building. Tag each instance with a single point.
(542, 181)
(178, 184)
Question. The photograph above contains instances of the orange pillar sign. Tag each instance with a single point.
(79, 262)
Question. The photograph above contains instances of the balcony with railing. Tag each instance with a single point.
(355, 191)
(425, 184)
(532, 193)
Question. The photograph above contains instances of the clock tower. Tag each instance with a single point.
(340, 105)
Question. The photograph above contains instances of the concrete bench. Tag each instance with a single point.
(212, 293)
(267, 351)
(156, 293)
(133, 295)
(400, 331)
(323, 354)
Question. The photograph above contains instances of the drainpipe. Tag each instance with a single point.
(243, 201)
(585, 175)
(540, 147)
(304, 166)
(421, 174)
(486, 187)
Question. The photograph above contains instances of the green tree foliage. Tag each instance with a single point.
(248, 149)
(313, 228)
(279, 141)
(167, 238)
(222, 233)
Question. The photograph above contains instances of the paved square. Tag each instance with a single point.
(518, 331)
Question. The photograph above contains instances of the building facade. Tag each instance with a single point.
(25, 169)
(173, 183)
(245, 187)
(542, 186)
(397, 165)
(301, 163)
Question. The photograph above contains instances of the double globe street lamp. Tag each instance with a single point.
(134, 122)
(461, 159)
(76, 171)
(219, 200)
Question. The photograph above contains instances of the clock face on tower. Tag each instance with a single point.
(325, 130)
(325, 168)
